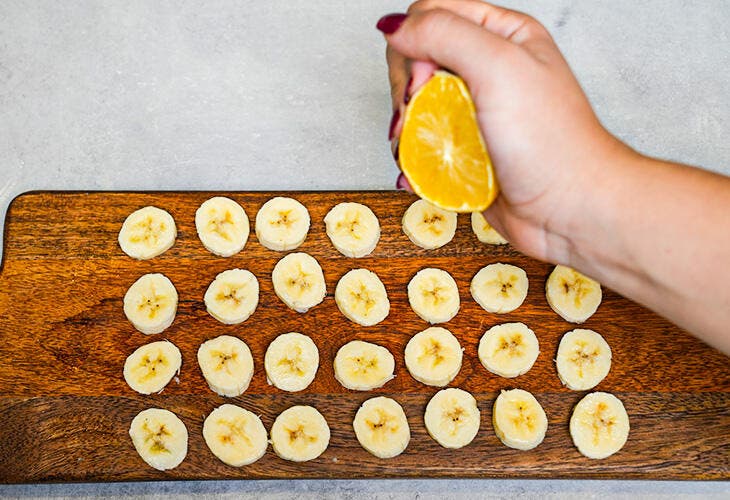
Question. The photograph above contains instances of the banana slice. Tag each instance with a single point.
(160, 438)
(452, 418)
(151, 367)
(484, 231)
(584, 359)
(519, 420)
(381, 427)
(147, 233)
(150, 304)
(429, 226)
(433, 295)
(499, 288)
(599, 425)
(232, 297)
(300, 433)
(509, 350)
(226, 364)
(362, 366)
(234, 435)
(433, 356)
(353, 229)
(574, 296)
(361, 297)
(282, 224)
(291, 362)
(298, 281)
(222, 226)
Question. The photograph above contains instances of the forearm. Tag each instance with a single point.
(659, 233)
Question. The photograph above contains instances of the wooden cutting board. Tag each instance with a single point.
(65, 409)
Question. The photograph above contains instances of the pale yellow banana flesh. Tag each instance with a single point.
(147, 233)
(282, 224)
(433, 295)
(381, 427)
(363, 366)
(433, 356)
(235, 435)
(452, 418)
(519, 420)
(150, 304)
(361, 297)
(233, 296)
(428, 226)
(499, 288)
(222, 226)
(574, 296)
(291, 362)
(298, 281)
(227, 365)
(160, 438)
(353, 229)
(583, 359)
(484, 231)
(599, 425)
(509, 349)
(299, 434)
(151, 367)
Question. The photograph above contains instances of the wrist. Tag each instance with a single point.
(598, 200)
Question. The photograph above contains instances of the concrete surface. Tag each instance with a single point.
(242, 95)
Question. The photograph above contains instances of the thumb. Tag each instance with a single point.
(450, 41)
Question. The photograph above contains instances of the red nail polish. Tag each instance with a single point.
(395, 150)
(407, 93)
(393, 121)
(389, 24)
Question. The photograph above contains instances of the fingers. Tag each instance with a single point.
(398, 75)
(512, 25)
(451, 41)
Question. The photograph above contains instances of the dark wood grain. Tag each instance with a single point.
(65, 408)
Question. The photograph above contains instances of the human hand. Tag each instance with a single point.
(547, 146)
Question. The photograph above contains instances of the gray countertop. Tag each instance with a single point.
(245, 95)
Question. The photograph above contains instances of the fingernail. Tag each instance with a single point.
(395, 150)
(402, 183)
(390, 23)
(407, 93)
(393, 122)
